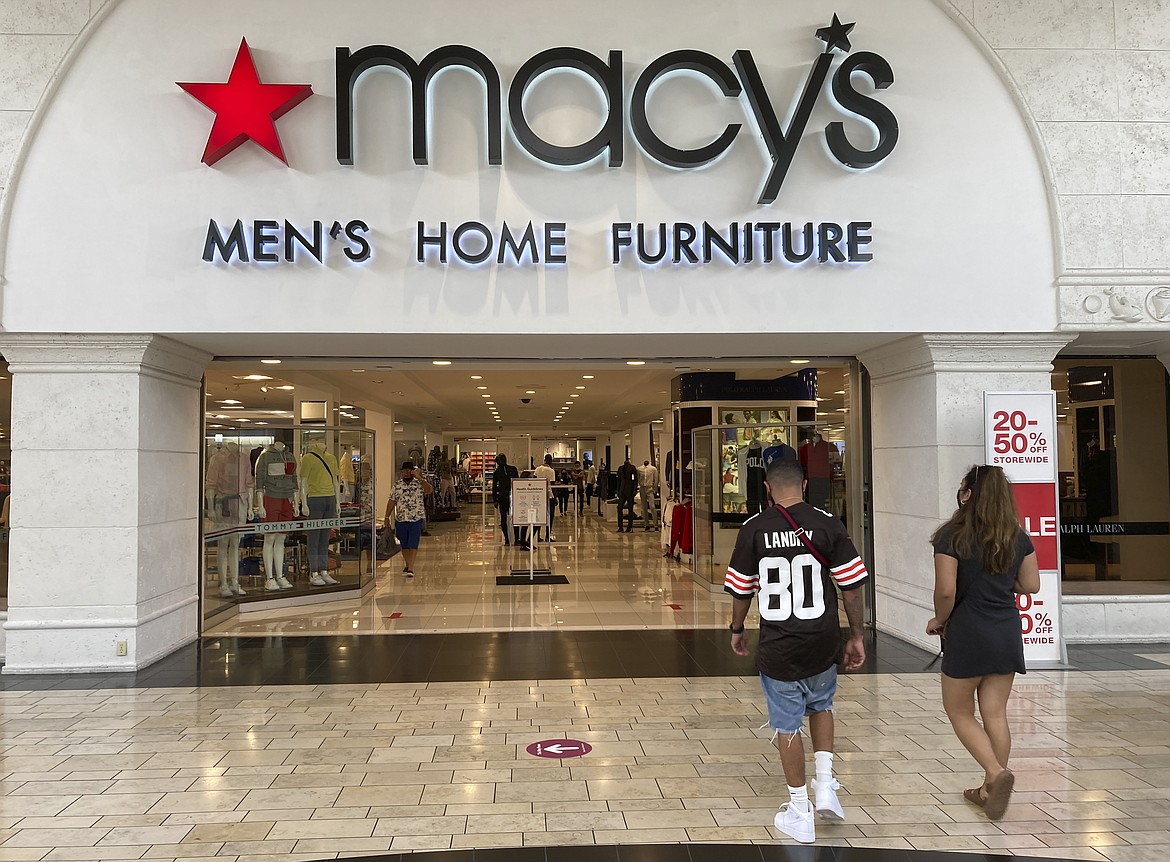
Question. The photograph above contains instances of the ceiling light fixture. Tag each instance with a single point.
(270, 362)
(799, 361)
(477, 377)
(251, 377)
(359, 371)
(635, 362)
(346, 406)
(440, 362)
(586, 376)
(529, 391)
(229, 401)
(578, 387)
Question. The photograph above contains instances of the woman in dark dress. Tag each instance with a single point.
(982, 558)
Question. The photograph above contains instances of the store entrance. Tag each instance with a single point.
(592, 427)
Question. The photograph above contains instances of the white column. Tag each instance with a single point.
(927, 428)
(105, 511)
(385, 470)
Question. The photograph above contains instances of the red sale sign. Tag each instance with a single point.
(1036, 503)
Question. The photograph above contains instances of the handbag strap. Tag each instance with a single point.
(324, 462)
(800, 534)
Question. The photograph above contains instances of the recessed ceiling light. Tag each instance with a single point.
(440, 362)
(484, 395)
(574, 395)
(359, 371)
(839, 392)
(287, 387)
(568, 403)
(489, 402)
(529, 391)
(578, 387)
(799, 361)
(229, 401)
(481, 387)
(635, 362)
(251, 377)
(586, 376)
(270, 362)
(558, 419)
(346, 406)
(477, 377)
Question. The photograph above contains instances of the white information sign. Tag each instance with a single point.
(1020, 432)
(530, 502)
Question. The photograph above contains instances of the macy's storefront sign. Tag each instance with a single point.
(247, 109)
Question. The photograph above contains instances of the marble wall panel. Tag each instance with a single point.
(1085, 157)
(12, 126)
(1144, 86)
(168, 563)
(43, 16)
(168, 487)
(89, 411)
(1046, 23)
(1093, 231)
(72, 572)
(1142, 24)
(1146, 234)
(904, 481)
(81, 488)
(175, 415)
(893, 401)
(1063, 85)
(26, 65)
(1145, 162)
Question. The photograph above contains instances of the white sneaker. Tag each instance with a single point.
(238, 590)
(225, 592)
(317, 581)
(271, 585)
(282, 583)
(328, 579)
(827, 803)
(796, 824)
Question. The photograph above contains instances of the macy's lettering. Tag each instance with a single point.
(781, 143)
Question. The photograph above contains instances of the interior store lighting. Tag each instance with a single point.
(477, 377)
(635, 362)
(586, 376)
(440, 362)
(270, 362)
(799, 361)
(578, 387)
(251, 377)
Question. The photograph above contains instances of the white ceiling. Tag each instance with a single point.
(448, 399)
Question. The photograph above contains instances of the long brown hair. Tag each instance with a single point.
(987, 524)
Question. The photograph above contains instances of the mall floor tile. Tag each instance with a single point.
(261, 744)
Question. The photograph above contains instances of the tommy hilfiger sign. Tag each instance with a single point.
(247, 109)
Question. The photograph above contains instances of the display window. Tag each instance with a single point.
(288, 513)
(1114, 475)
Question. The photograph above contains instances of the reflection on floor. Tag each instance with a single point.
(616, 581)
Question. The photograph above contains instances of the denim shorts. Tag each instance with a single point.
(790, 701)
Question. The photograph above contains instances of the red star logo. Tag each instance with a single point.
(245, 108)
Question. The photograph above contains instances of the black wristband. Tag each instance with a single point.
(735, 631)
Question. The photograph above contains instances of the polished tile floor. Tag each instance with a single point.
(616, 581)
(258, 746)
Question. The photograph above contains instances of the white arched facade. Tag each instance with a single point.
(110, 311)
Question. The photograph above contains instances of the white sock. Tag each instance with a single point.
(824, 765)
(799, 797)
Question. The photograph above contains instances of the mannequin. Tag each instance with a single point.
(227, 489)
(814, 457)
(276, 500)
(346, 475)
(319, 492)
(751, 473)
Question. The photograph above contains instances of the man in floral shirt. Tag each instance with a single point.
(406, 505)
